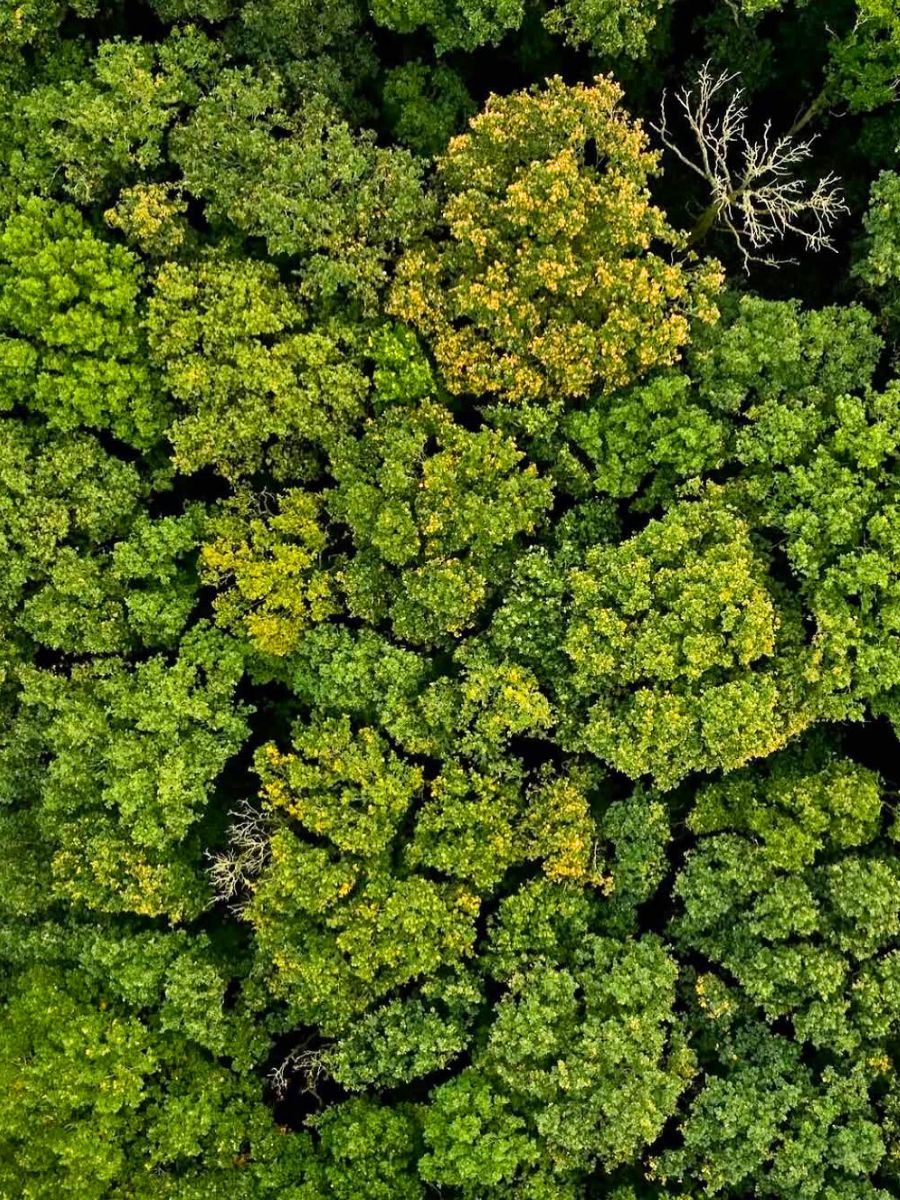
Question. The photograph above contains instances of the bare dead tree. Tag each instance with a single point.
(755, 193)
(234, 869)
(308, 1064)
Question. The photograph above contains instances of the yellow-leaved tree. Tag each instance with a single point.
(555, 275)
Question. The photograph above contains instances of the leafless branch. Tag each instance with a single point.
(755, 193)
(308, 1064)
(234, 869)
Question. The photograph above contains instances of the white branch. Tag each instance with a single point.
(308, 1064)
(235, 868)
(754, 192)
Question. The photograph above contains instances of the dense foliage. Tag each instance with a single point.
(449, 599)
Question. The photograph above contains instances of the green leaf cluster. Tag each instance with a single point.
(449, 629)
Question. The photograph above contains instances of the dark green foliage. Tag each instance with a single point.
(407, 1039)
(611, 28)
(460, 24)
(425, 105)
(566, 1050)
(366, 1150)
(303, 181)
(449, 631)
(107, 127)
(792, 899)
(769, 1125)
(862, 39)
(879, 267)
(432, 531)
(125, 759)
(315, 46)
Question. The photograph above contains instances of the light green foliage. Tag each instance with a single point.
(674, 639)
(559, 827)
(152, 217)
(784, 368)
(794, 812)
(351, 789)
(762, 388)
(467, 828)
(427, 522)
(542, 922)
(817, 466)
(529, 624)
(866, 61)
(853, 605)
(610, 28)
(230, 341)
(101, 1083)
(305, 182)
(424, 524)
(342, 931)
(55, 491)
(338, 671)
(23, 872)
(548, 918)
(401, 373)
(345, 786)
(879, 267)
(461, 24)
(810, 463)
(268, 569)
(475, 711)
(20, 174)
(473, 1136)
(638, 831)
(336, 935)
(792, 898)
(70, 336)
(425, 105)
(475, 825)
(181, 976)
(837, 511)
(656, 430)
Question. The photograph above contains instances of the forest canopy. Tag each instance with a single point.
(449, 599)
